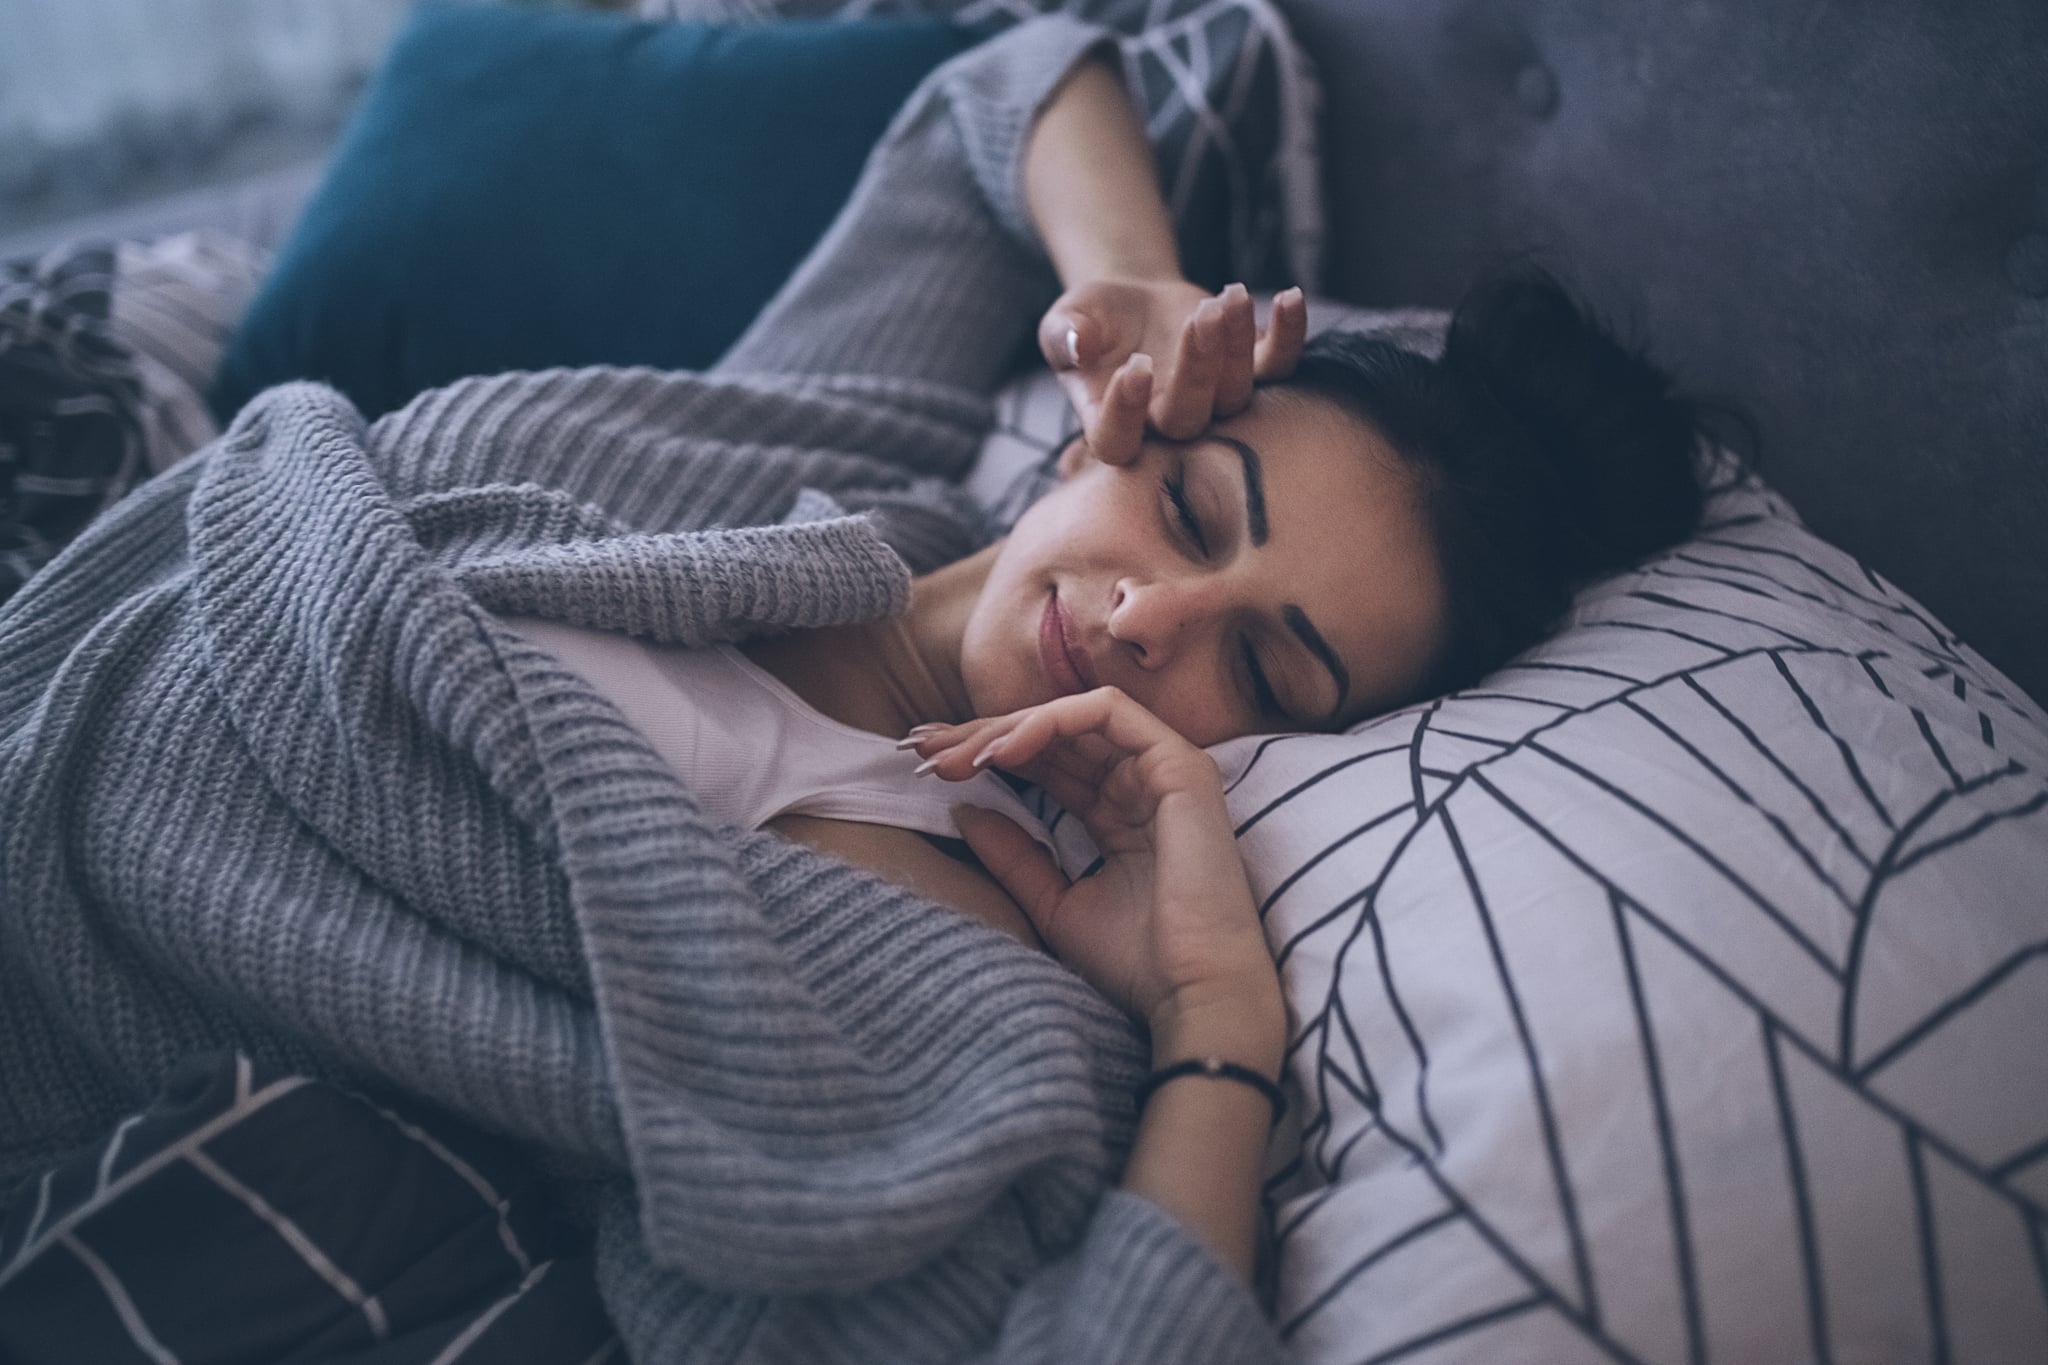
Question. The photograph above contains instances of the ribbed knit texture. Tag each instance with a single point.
(272, 776)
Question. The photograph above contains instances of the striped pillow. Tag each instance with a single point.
(1679, 991)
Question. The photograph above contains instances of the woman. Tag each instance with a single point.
(294, 762)
(1222, 559)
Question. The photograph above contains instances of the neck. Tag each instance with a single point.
(930, 636)
(886, 676)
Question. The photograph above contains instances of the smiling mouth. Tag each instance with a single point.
(1066, 665)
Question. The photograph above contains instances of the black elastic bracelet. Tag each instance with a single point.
(1218, 1068)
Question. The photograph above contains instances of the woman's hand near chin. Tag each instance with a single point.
(1167, 927)
(1163, 351)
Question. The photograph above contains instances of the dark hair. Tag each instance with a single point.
(1546, 452)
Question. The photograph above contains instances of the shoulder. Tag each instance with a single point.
(939, 870)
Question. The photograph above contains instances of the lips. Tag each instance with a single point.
(1059, 649)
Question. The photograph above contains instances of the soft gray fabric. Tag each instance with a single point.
(1837, 215)
(272, 776)
(1228, 98)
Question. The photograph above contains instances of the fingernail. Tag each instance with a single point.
(1139, 364)
(1292, 293)
(925, 767)
(1235, 291)
(909, 742)
(1074, 347)
(981, 759)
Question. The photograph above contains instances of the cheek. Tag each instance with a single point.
(1199, 708)
(1070, 534)
(999, 628)
(1069, 508)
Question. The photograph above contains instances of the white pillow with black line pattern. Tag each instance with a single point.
(1678, 992)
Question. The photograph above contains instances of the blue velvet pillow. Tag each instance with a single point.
(523, 189)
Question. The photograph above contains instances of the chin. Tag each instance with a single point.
(996, 687)
(999, 655)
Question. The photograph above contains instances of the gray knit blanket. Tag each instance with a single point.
(276, 779)
(273, 777)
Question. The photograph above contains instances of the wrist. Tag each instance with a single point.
(1242, 1023)
(1082, 260)
(1215, 1070)
(1091, 186)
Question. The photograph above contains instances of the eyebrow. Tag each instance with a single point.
(1255, 519)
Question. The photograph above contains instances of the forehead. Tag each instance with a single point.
(1349, 540)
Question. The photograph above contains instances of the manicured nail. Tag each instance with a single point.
(1235, 291)
(1139, 364)
(1074, 347)
(926, 767)
(1291, 294)
(909, 742)
(988, 752)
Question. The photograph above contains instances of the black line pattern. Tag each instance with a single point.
(1674, 1183)
(128, 1249)
(1930, 1257)
(1802, 1201)
(1518, 926)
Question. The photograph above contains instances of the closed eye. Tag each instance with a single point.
(1184, 512)
(1265, 702)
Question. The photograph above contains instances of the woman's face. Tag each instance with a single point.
(1276, 573)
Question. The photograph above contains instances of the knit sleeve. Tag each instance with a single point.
(1137, 1289)
(932, 273)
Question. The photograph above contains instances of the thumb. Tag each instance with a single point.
(1016, 861)
(1066, 335)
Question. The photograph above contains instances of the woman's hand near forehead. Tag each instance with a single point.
(1131, 339)
(1164, 353)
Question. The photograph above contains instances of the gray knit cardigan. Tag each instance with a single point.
(273, 777)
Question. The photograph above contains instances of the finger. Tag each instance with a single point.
(1279, 350)
(949, 751)
(1016, 861)
(1071, 457)
(1076, 774)
(938, 737)
(1116, 718)
(1072, 774)
(919, 737)
(1068, 338)
(1118, 430)
(1084, 394)
(1234, 373)
(1184, 406)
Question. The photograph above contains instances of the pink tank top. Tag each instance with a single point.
(749, 749)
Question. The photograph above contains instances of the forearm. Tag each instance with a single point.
(1091, 187)
(930, 274)
(1201, 1145)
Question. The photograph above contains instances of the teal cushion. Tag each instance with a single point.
(530, 188)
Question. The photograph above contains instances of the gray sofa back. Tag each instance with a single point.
(1834, 214)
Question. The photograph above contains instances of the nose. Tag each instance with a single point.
(1157, 617)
